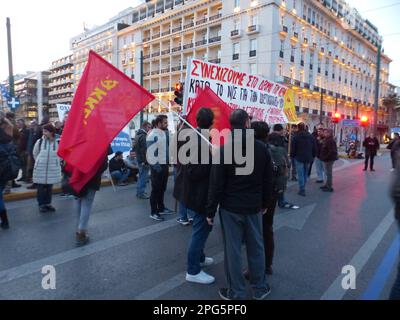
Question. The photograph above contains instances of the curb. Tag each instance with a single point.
(17, 196)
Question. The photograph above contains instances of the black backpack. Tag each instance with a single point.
(10, 163)
(279, 168)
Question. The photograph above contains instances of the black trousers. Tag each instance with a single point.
(370, 158)
(44, 194)
(268, 232)
(159, 182)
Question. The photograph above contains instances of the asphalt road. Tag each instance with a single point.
(131, 256)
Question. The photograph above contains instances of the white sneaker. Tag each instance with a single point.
(391, 170)
(207, 262)
(201, 278)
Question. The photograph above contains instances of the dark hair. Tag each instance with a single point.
(145, 124)
(160, 119)
(238, 119)
(10, 115)
(294, 126)
(153, 123)
(278, 127)
(50, 128)
(204, 118)
(301, 126)
(261, 130)
(118, 153)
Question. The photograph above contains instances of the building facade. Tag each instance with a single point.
(324, 50)
(61, 85)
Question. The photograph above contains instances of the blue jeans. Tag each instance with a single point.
(320, 169)
(144, 177)
(44, 194)
(302, 174)
(119, 176)
(200, 233)
(395, 294)
(184, 213)
(2, 205)
(83, 207)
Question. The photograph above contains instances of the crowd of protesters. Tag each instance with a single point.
(245, 204)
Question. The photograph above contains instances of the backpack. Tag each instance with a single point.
(10, 163)
(279, 168)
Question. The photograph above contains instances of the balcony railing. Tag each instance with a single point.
(214, 39)
(189, 25)
(252, 29)
(166, 51)
(175, 68)
(165, 70)
(176, 29)
(201, 21)
(253, 53)
(147, 56)
(235, 56)
(165, 33)
(201, 42)
(176, 49)
(145, 39)
(155, 90)
(155, 36)
(155, 54)
(235, 33)
(215, 17)
(217, 60)
(146, 74)
(284, 30)
(155, 72)
(188, 46)
(164, 89)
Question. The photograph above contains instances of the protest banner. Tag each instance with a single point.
(262, 99)
(62, 110)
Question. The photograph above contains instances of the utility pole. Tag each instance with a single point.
(10, 61)
(378, 73)
(141, 82)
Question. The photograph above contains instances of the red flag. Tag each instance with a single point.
(105, 101)
(207, 98)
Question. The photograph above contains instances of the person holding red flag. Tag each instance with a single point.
(105, 101)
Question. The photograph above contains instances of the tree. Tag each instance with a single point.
(391, 102)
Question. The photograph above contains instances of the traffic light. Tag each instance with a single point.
(179, 94)
(364, 121)
(336, 117)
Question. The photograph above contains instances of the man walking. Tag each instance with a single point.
(159, 168)
(141, 150)
(371, 145)
(303, 151)
(242, 200)
(328, 155)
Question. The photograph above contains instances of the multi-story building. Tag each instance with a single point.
(324, 50)
(32, 90)
(102, 39)
(61, 86)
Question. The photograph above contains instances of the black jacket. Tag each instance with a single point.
(328, 150)
(195, 180)
(304, 147)
(141, 146)
(238, 193)
(371, 146)
(117, 165)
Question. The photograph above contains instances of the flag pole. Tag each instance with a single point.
(187, 123)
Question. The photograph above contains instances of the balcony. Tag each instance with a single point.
(188, 46)
(305, 42)
(235, 56)
(252, 53)
(201, 21)
(176, 29)
(155, 72)
(281, 54)
(155, 90)
(215, 17)
(295, 37)
(217, 60)
(284, 31)
(165, 89)
(189, 25)
(176, 49)
(201, 42)
(166, 51)
(176, 68)
(165, 33)
(314, 46)
(147, 56)
(235, 34)
(302, 63)
(253, 29)
(214, 39)
(291, 58)
(155, 54)
(155, 36)
(146, 74)
(165, 70)
(146, 39)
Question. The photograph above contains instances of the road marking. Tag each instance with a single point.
(294, 219)
(360, 259)
(71, 255)
(385, 269)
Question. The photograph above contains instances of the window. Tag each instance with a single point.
(253, 20)
(236, 3)
(253, 44)
(236, 50)
(236, 24)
